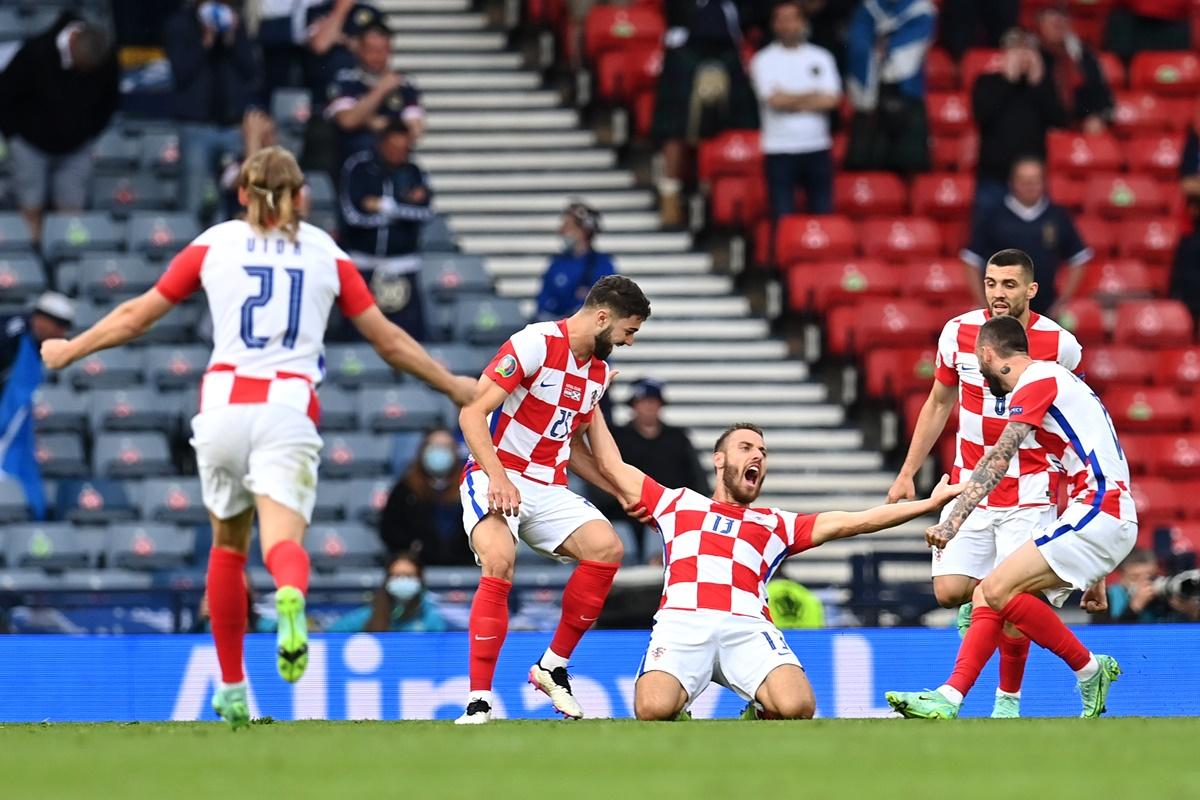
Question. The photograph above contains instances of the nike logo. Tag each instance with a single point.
(546, 385)
(483, 638)
(965, 368)
(589, 619)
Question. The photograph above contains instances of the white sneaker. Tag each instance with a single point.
(479, 712)
(556, 685)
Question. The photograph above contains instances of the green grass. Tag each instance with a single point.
(614, 760)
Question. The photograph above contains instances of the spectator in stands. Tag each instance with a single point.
(1027, 220)
(969, 23)
(258, 131)
(365, 98)
(21, 373)
(423, 514)
(662, 451)
(702, 90)
(1143, 595)
(1014, 109)
(216, 75)
(573, 271)
(798, 87)
(1137, 25)
(280, 32)
(400, 604)
(332, 29)
(829, 23)
(384, 201)
(255, 623)
(1185, 276)
(57, 93)
(886, 83)
(1083, 90)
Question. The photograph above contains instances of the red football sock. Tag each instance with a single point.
(486, 630)
(227, 609)
(582, 602)
(1039, 622)
(982, 639)
(288, 564)
(1014, 651)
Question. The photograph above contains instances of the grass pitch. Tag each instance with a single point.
(613, 760)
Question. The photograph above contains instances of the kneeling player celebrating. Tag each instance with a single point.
(713, 624)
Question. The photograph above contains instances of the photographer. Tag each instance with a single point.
(1143, 595)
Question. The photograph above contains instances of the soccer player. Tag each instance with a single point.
(270, 282)
(1025, 498)
(1076, 551)
(713, 623)
(538, 393)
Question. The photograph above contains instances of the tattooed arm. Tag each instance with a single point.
(986, 477)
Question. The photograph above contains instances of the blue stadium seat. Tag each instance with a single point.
(355, 455)
(343, 545)
(462, 359)
(291, 108)
(321, 194)
(339, 410)
(106, 580)
(121, 195)
(331, 501)
(160, 153)
(53, 546)
(106, 276)
(14, 234)
(149, 547)
(400, 408)
(134, 455)
(13, 506)
(436, 237)
(176, 367)
(446, 276)
(135, 409)
(12, 27)
(60, 455)
(357, 365)
(67, 236)
(114, 368)
(366, 497)
(60, 408)
(487, 322)
(161, 234)
(21, 278)
(176, 500)
(90, 502)
(115, 153)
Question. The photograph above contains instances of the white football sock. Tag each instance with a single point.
(1002, 693)
(227, 686)
(1090, 669)
(951, 694)
(551, 660)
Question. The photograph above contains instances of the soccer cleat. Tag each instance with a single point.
(230, 705)
(291, 640)
(1094, 690)
(964, 618)
(479, 712)
(1006, 707)
(556, 684)
(750, 712)
(922, 705)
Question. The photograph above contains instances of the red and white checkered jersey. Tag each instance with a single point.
(719, 557)
(550, 394)
(982, 416)
(1078, 433)
(270, 300)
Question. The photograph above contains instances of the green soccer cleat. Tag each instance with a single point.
(1006, 707)
(1095, 689)
(750, 712)
(230, 705)
(684, 716)
(291, 639)
(922, 705)
(964, 618)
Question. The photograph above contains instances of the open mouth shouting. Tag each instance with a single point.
(751, 475)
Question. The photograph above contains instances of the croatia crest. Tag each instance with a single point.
(572, 393)
(506, 367)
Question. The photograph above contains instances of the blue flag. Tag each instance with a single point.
(18, 451)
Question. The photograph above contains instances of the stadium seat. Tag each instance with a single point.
(1179, 367)
(176, 367)
(445, 276)
(737, 201)
(814, 238)
(941, 73)
(339, 409)
(71, 235)
(149, 547)
(161, 234)
(105, 276)
(13, 505)
(1156, 499)
(60, 408)
(896, 372)
(819, 287)
(1114, 71)
(609, 28)
(355, 455)
(176, 500)
(979, 61)
(114, 153)
(53, 546)
(1081, 154)
(401, 408)
(489, 321)
(1147, 409)
(1111, 365)
(291, 108)
(461, 359)
(133, 455)
(732, 153)
(880, 323)
(134, 409)
(869, 194)
(121, 195)
(622, 74)
(1154, 324)
(943, 196)
(14, 234)
(341, 545)
(436, 236)
(1151, 240)
(948, 112)
(1139, 449)
(60, 455)
(1068, 191)
(357, 365)
(21, 278)
(900, 238)
(940, 281)
(1157, 154)
(1125, 196)
(160, 153)
(1166, 73)
(1177, 457)
(1140, 112)
(366, 498)
(1113, 280)
(90, 502)
(330, 504)
(322, 196)
(106, 369)
(1085, 318)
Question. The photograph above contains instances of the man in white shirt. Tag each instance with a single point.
(797, 85)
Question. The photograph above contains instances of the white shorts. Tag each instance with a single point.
(702, 647)
(1083, 546)
(261, 448)
(549, 514)
(987, 537)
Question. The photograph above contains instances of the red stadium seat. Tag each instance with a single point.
(1177, 456)
(955, 152)
(622, 74)
(1154, 323)
(814, 238)
(1139, 448)
(943, 196)
(1169, 73)
(1149, 409)
(1157, 154)
(955, 235)
(762, 237)
(1140, 112)
(880, 323)
(1125, 196)
(1067, 191)
(1111, 365)
(1085, 318)
(610, 28)
(736, 152)
(910, 408)
(980, 61)
(1097, 234)
(1113, 280)
(1082, 154)
(737, 201)
(900, 238)
(941, 281)
(1179, 367)
(949, 112)
(1184, 537)
(1153, 241)
(643, 113)
(866, 194)
(1114, 71)
(820, 287)
(896, 372)
(941, 75)
(1157, 498)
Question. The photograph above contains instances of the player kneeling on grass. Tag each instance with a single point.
(713, 624)
(1078, 550)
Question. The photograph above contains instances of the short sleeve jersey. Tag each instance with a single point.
(718, 556)
(982, 416)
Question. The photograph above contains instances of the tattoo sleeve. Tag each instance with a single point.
(988, 472)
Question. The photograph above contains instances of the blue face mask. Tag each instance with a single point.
(438, 460)
(404, 587)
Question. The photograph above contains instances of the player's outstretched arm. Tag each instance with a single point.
(503, 496)
(626, 480)
(842, 524)
(930, 424)
(124, 323)
(404, 353)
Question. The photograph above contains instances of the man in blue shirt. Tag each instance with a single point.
(573, 271)
(331, 29)
(1028, 221)
(1185, 275)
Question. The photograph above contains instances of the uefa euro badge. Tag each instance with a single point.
(506, 367)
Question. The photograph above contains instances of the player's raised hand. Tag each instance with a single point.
(503, 497)
(902, 489)
(56, 353)
(638, 511)
(944, 492)
(1095, 599)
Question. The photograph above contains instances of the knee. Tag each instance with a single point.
(498, 564)
(798, 707)
(994, 595)
(950, 595)
(611, 551)
(649, 709)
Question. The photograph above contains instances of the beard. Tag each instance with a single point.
(603, 346)
(738, 490)
(1013, 310)
(993, 383)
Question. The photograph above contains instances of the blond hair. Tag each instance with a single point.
(271, 178)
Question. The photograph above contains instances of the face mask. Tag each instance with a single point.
(404, 587)
(437, 460)
(568, 242)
